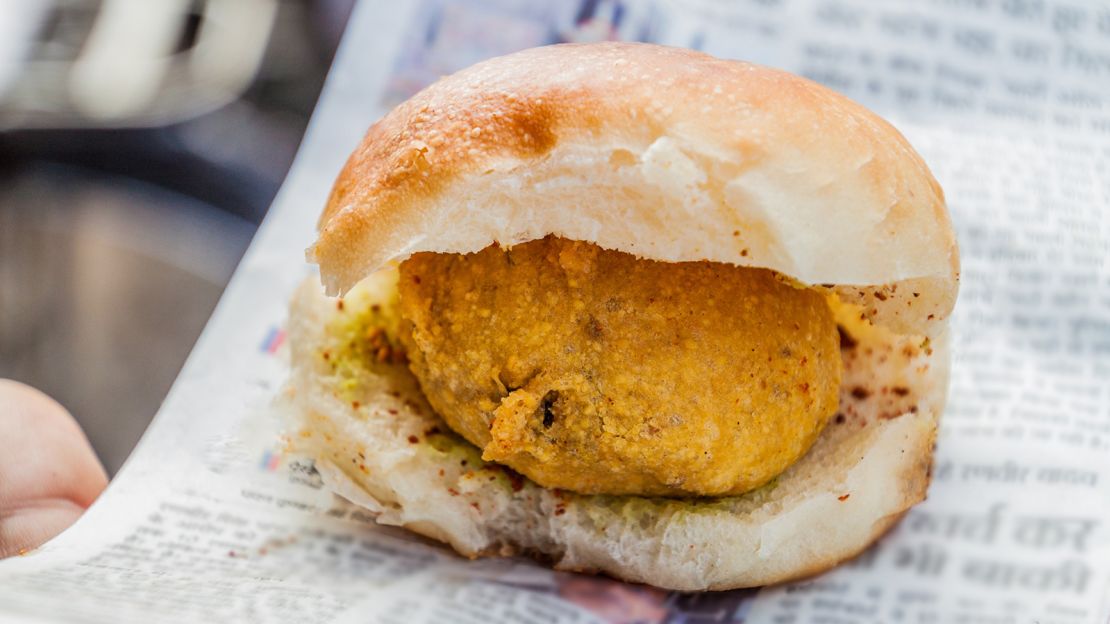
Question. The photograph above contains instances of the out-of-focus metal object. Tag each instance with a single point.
(132, 174)
(104, 285)
(127, 63)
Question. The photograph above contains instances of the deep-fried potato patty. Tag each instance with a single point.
(598, 372)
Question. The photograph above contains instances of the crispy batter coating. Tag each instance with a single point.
(597, 372)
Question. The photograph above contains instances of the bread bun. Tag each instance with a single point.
(670, 155)
(664, 153)
(382, 447)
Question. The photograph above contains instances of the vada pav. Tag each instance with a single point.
(629, 309)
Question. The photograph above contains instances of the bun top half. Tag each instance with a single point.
(660, 152)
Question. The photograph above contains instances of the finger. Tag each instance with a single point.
(49, 473)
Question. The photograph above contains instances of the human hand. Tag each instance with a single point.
(49, 474)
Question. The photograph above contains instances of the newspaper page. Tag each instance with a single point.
(1009, 103)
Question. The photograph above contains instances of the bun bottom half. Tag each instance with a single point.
(377, 443)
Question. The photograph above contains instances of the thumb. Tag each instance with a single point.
(49, 474)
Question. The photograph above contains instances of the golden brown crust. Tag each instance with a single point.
(599, 373)
(776, 171)
(511, 107)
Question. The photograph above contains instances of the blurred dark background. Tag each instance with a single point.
(141, 144)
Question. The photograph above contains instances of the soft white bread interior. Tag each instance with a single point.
(376, 442)
(664, 153)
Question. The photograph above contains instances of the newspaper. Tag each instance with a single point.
(1009, 103)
